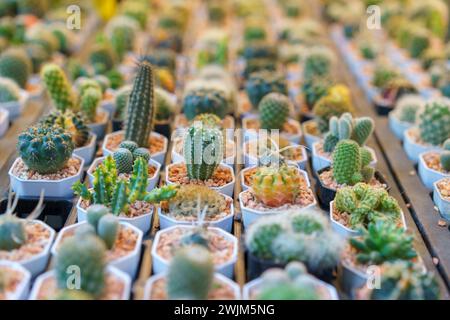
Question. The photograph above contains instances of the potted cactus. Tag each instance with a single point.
(122, 240)
(127, 198)
(441, 196)
(355, 207)
(14, 281)
(434, 165)
(45, 162)
(432, 130)
(344, 127)
(299, 235)
(120, 107)
(381, 242)
(191, 276)
(25, 241)
(165, 111)
(87, 252)
(350, 165)
(402, 280)
(140, 118)
(222, 245)
(404, 114)
(190, 200)
(12, 98)
(203, 153)
(292, 283)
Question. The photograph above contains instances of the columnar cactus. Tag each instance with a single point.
(205, 100)
(262, 83)
(141, 106)
(70, 122)
(366, 204)
(276, 185)
(202, 150)
(445, 155)
(273, 110)
(45, 149)
(58, 87)
(9, 90)
(15, 64)
(191, 274)
(351, 163)
(434, 122)
(89, 102)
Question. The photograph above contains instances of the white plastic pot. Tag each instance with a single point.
(158, 157)
(4, 121)
(427, 175)
(398, 127)
(87, 152)
(99, 129)
(53, 188)
(412, 148)
(15, 108)
(124, 278)
(442, 203)
(128, 264)
(23, 287)
(161, 265)
(250, 160)
(225, 189)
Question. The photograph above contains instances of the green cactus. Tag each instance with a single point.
(94, 213)
(404, 280)
(209, 120)
(407, 108)
(89, 102)
(383, 242)
(121, 101)
(58, 87)
(274, 110)
(37, 55)
(15, 64)
(205, 100)
(70, 122)
(108, 230)
(254, 32)
(317, 63)
(165, 105)
(129, 145)
(119, 42)
(259, 50)
(258, 64)
(367, 204)
(102, 57)
(141, 106)
(75, 69)
(419, 42)
(88, 254)
(124, 160)
(12, 232)
(163, 58)
(9, 90)
(314, 89)
(434, 122)
(141, 152)
(115, 78)
(191, 274)
(202, 150)
(83, 84)
(445, 156)
(45, 149)
(263, 82)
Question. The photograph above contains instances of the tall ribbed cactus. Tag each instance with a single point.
(58, 87)
(141, 106)
(203, 151)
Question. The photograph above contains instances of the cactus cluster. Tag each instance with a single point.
(101, 223)
(126, 155)
(262, 83)
(274, 109)
(71, 122)
(141, 106)
(404, 280)
(15, 64)
(102, 57)
(45, 149)
(202, 151)
(434, 122)
(445, 155)
(367, 204)
(304, 236)
(346, 127)
(383, 242)
(205, 100)
(9, 90)
(407, 108)
(317, 63)
(351, 163)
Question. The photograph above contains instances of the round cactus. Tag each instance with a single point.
(9, 90)
(58, 87)
(434, 122)
(209, 120)
(445, 156)
(130, 145)
(108, 230)
(95, 213)
(262, 83)
(274, 109)
(12, 232)
(70, 122)
(124, 160)
(102, 57)
(141, 152)
(15, 64)
(45, 149)
(207, 100)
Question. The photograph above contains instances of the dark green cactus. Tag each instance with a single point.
(202, 150)
(130, 145)
(274, 110)
(434, 122)
(70, 122)
(141, 152)
(102, 57)
(445, 155)
(45, 149)
(124, 160)
(205, 100)
(141, 106)
(9, 90)
(263, 82)
(58, 87)
(318, 62)
(12, 232)
(163, 58)
(314, 89)
(15, 64)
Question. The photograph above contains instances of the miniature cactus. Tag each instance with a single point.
(12, 232)
(45, 149)
(102, 57)
(89, 102)
(434, 122)
(37, 56)
(276, 186)
(445, 156)
(207, 100)
(419, 41)
(314, 89)
(104, 224)
(58, 87)
(346, 127)
(141, 106)
(202, 150)
(367, 204)
(209, 120)
(404, 280)
(165, 106)
(88, 254)
(263, 82)
(141, 152)
(163, 58)
(317, 63)
(9, 90)
(121, 101)
(138, 180)
(274, 109)
(124, 160)
(191, 274)
(407, 108)
(15, 64)
(70, 122)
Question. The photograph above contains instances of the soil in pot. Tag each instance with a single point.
(136, 209)
(443, 186)
(12, 279)
(182, 122)
(432, 161)
(288, 127)
(312, 128)
(414, 134)
(71, 169)
(156, 143)
(178, 174)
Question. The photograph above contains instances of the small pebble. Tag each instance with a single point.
(435, 261)
(442, 223)
(412, 173)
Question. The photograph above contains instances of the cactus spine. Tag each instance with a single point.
(58, 87)
(70, 122)
(274, 110)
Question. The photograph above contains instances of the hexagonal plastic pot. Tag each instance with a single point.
(128, 264)
(161, 265)
(149, 285)
(87, 152)
(398, 127)
(23, 287)
(53, 188)
(412, 148)
(442, 203)
(250, 134)
(427, 175)
(99, 129)
(15, 108)
(125, 278)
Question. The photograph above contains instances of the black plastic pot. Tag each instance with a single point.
(117, 125)
(55, 212)
(383, 107)
(306, 117)
(326, 194)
